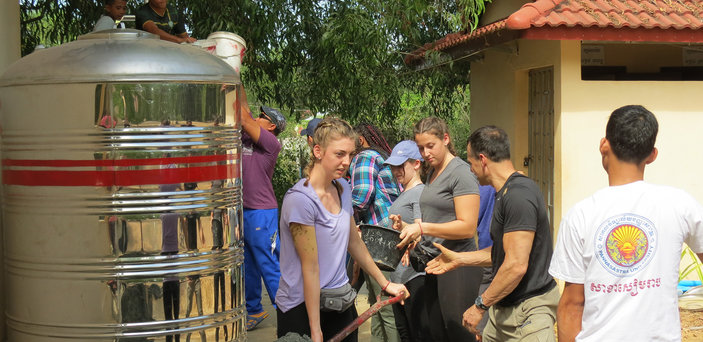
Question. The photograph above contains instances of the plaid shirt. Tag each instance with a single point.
(373, 188)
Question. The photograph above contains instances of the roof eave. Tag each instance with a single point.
(482, 42)
(478, 40)
(465, 49)
(619, 34)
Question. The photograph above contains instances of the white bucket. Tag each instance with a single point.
(228, 46)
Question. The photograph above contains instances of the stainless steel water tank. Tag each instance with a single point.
(121, 196)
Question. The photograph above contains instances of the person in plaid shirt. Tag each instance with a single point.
(373, 187)
(373, 191)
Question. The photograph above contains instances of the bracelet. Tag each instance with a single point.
(385, 287)
(420, 224)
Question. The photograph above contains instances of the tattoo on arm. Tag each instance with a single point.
(301, 235)
(296, 230)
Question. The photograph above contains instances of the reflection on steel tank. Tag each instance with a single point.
(121, 193)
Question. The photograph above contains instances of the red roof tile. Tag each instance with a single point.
(648, 14)
(561, 15)
(454, 39)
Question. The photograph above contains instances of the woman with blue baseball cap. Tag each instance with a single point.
(309, 131)
(411, 319)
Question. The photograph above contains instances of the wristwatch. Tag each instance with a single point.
(479, 304)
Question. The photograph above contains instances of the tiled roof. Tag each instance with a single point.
(457, 38)
(454, 39)
(648, 14)
(558, 15)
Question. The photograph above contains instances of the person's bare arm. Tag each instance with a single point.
(249, 125)
(305, 243)
(517, 246)
(151, 27)
(450, 260)
(188, 38)
(570, 312)
(464, 227)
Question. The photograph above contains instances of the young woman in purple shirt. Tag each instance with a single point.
(317, 230)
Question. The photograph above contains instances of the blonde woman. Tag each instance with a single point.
(317, 230)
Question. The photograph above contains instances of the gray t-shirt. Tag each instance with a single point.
(437, 201)
(407, 205)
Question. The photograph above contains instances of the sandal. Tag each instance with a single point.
(254, 320)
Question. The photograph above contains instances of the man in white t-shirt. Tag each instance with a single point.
(619, 250)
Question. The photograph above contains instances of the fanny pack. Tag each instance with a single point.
(339, 299)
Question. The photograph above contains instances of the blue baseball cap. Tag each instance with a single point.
(404, 150)
(310, 130)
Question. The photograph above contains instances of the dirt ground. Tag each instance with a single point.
(691, 326)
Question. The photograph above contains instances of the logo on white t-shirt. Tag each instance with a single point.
(625, 244)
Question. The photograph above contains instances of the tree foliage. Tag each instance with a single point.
(51, 22)
(343, 57)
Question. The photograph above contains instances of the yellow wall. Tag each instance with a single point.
(499, 95)
(586, 106)
(499, 85)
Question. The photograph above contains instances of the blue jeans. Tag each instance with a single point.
(261, 250)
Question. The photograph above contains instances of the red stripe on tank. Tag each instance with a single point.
(119, 178)
(118, 162)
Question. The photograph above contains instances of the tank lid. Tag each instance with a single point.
(119, 55)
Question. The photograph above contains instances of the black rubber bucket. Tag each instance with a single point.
(381, 243)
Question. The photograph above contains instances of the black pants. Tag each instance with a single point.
(434, 313)
(411, 319)
(219, 292)
(457, 291)
(448, 296)
(296, 320)
(171, 293)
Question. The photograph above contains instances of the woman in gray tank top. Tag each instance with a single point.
(449, 204)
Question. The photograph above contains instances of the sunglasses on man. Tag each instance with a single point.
(266, 117)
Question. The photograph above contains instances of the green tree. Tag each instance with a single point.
(51, 22)
(343, 57)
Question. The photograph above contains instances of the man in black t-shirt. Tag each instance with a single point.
(523, 297)
(161, 19)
